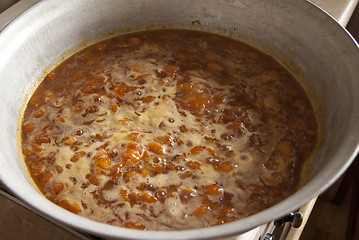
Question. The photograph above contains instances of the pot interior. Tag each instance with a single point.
(309, 43)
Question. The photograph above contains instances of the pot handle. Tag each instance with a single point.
(294, 218)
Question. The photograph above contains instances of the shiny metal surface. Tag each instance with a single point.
(292, 31)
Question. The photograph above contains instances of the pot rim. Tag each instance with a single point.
(293, 202)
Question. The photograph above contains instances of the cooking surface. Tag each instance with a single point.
(17, 222)
(341, 10)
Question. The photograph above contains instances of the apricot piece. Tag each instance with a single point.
(185, 87)
(113, 108)
(201, 210)
(121, 90)
(37, 169)
(224, 167)
(167, 139)
(69, 141)
(134, 226)
(133, 153)
(144, 172)
(59, 187)
(156, 148)
(88, 90)
(197, 149)
(285, 148)
(29, 127)
(37, 148)
(77, 156)
(148, 197)
(214, 190)
(42, 139)
(186, 194)
(134, 136)
(193, 165)
(46, 177)
(148, 99)
(39, 113)
(104, 163)
(124, 195)
(93, 179)
(72, 207)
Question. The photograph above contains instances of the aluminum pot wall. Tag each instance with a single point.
(294, 31)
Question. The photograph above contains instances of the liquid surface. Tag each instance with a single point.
(168, 130)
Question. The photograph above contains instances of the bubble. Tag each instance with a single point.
(244, 157)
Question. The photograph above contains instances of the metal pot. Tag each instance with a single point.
(308, 42)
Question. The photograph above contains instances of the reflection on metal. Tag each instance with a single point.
(295, 219)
